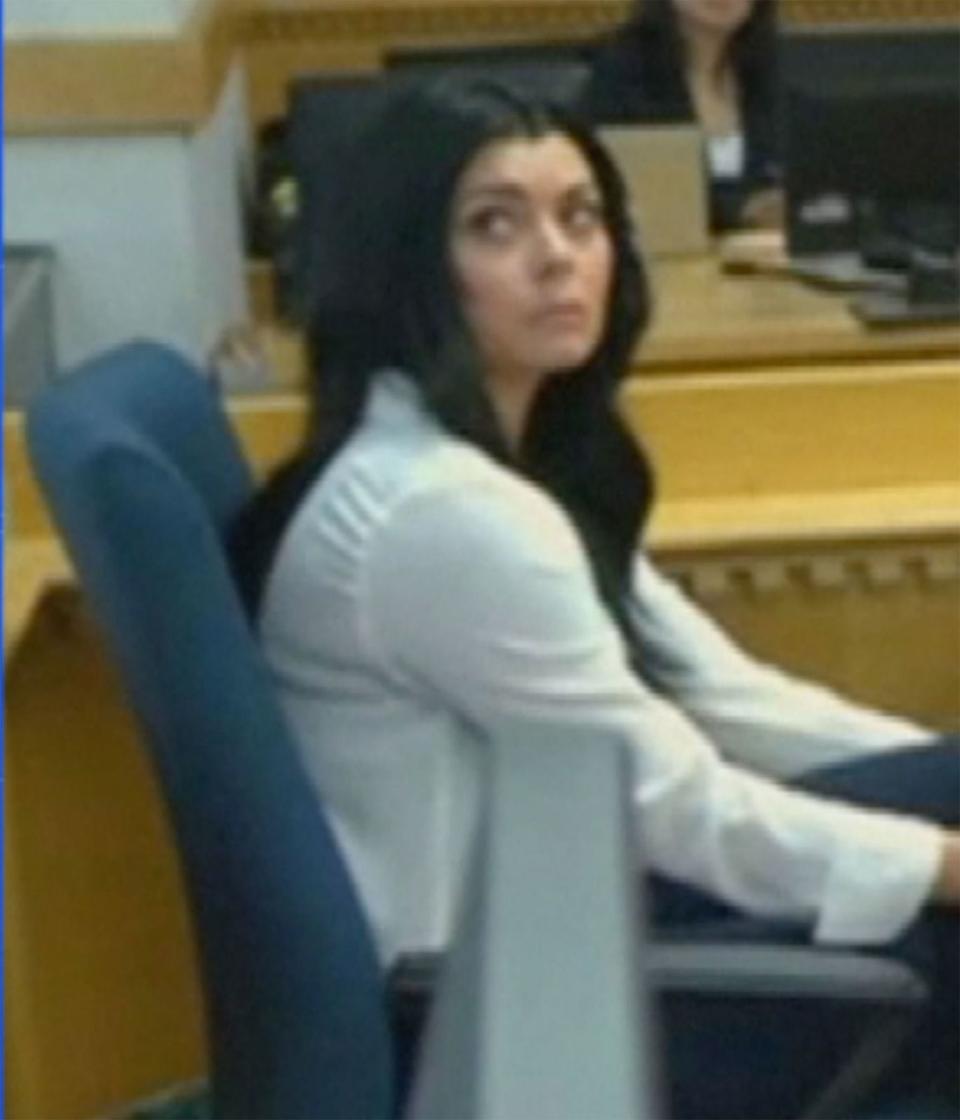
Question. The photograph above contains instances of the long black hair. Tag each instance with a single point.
(397, 306)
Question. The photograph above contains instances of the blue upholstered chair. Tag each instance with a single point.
(142, 473)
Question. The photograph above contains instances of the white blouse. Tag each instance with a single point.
(727, 155)
(421, 588)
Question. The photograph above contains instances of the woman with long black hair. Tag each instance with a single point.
(461, 538)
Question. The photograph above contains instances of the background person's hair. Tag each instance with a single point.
(655, 25)
(397, 305)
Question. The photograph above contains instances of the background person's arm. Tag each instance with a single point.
(765, 208)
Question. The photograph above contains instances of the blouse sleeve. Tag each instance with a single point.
(756, 715)
(484, 604)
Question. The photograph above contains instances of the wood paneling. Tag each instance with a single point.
(132, 84)
(103, 1002)
(877, 620)
(104, 85)
(102, 999)
(285, 37)
(756, 438)
(775, 433)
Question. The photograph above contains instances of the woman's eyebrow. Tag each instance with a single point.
(497, 190)
(516, 190)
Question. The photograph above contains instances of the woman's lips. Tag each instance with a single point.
(570, 312)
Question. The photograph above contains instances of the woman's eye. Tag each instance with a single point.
(495, 222)
(585, 216)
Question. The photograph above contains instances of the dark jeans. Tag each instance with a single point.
(766, 1059)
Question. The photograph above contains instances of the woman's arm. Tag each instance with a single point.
(481, 603)
(758, 716)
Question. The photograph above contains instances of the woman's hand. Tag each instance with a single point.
(947, 886)
(765, 209)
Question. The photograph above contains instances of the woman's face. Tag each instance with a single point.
(532, 257)
(719, 16)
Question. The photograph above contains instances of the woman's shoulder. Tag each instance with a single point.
(430, 485)
(451, 497)
(408, 451)
(460, 498)
(488, 508)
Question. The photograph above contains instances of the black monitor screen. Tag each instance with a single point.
(871, 126)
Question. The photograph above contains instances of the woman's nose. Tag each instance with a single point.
(553, 247)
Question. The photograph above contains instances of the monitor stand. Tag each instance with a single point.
(931, 295)
(887, 309)
(845, 272)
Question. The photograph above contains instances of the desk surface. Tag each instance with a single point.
(925, 511)
(705, 319)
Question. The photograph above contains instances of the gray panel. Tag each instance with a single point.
(28, 353)
(542, 1013)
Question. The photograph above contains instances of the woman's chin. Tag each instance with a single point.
(565, 358)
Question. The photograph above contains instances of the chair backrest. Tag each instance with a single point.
(143, 473)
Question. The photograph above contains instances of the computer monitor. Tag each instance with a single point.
(662, 169)
(871, 131)
(556, 71)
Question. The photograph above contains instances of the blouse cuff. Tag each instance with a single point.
(871, 898)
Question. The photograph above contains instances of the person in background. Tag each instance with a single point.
(709, 61)
(461, 539)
